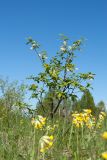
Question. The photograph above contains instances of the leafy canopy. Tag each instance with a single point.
(59, 74)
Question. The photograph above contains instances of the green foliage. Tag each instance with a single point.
(12, 98)
(20, 140)
(101, 107)
(14, 141)
(87, 101)
(76, 105)
(59, 74)
(14, 125)
(12, 94)
(49, 100)
(55, 88)
(44, 105)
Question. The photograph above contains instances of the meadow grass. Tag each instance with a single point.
(21, 140)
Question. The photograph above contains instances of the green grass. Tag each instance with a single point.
(19, 140)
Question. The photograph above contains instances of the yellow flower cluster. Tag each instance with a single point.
(101, 117)
(104, 154)
(45, 143)
(38, 122)
(87, 119)
(104, 135)
(83, 118)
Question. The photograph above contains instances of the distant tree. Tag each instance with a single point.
(87, 101)
(59, 74)
(12, 94)
(76, 105)
(66, 107)
(101, 106)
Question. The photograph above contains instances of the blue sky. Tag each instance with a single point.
(44, 20)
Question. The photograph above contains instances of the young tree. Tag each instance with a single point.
(59, 74)
(63, 110)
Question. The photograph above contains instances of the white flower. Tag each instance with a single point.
(63, 49)
(39, 55)
(44, 57)
(65, 43)
(76, 68)
(33, 46)
(68, 70)
(70, 47)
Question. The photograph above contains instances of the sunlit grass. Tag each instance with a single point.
(22, 138)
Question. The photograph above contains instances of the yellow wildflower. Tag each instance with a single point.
(103, 113)
(101, 117)
(45, 143)
(38, 122)
(83, 118)
(88, 111)
(104, 135)
(104, 155)
(78, 119)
